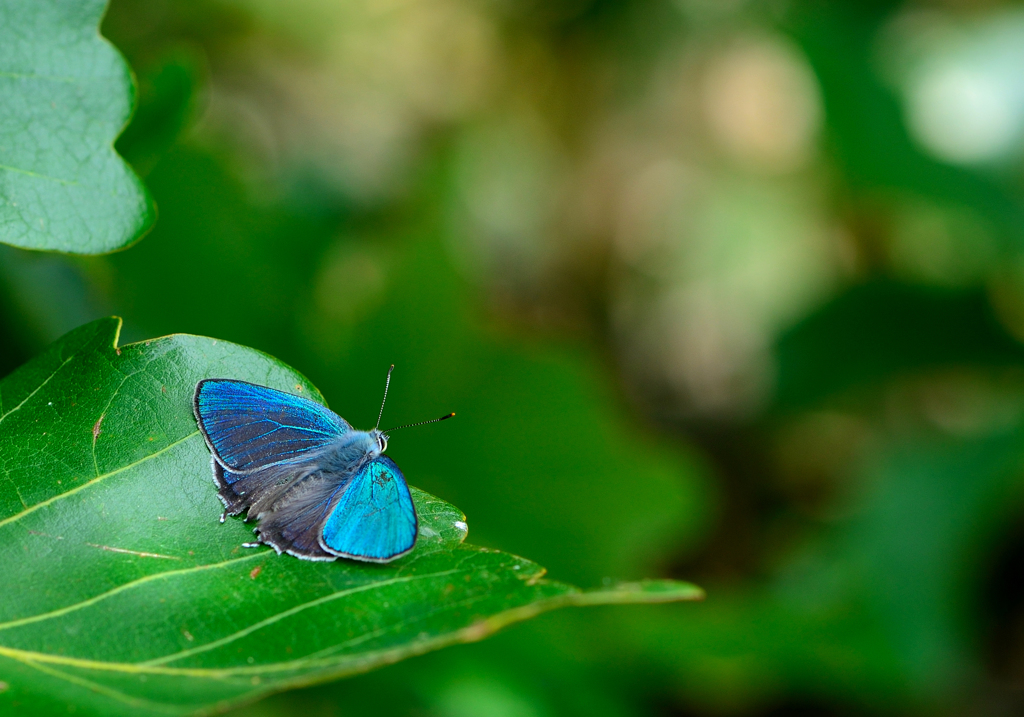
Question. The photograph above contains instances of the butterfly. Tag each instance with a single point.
(318, 488)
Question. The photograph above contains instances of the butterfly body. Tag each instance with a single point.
(352, 449)
(318, 488)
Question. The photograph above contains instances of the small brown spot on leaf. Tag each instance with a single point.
(188, 635)
(256, 571)
(96, 429)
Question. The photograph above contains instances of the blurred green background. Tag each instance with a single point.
(723, 290)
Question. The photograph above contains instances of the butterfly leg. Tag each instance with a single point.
(224, 515)
(251, 545)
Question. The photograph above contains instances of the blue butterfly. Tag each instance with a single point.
(318, 488)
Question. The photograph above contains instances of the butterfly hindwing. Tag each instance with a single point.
(259, 491)
(374, 518)
(292, 524)
(250, 427)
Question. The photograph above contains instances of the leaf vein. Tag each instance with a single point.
(95, 687)
(60, 612)
(96, 428)
(40, 386)
(321, 657)
(286, 614)
(93, 481)
(37, 175)
(470, 633)
(34, 76)
(7, 475)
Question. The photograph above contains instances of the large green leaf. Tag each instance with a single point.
(123, 594)
(67, 94)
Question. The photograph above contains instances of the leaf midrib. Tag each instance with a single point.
(314, 661)
(363, 661)
(157, 667)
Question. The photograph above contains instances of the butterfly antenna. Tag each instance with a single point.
(387, 383)
(421, 423)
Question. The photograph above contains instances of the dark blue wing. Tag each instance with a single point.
(374, 519)
(250, 427)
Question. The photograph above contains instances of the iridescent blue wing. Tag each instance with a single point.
(250, 427)
(374, 519)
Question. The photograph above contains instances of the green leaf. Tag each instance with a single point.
(67, 94)
(124, 595)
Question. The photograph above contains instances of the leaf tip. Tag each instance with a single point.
(643, 591)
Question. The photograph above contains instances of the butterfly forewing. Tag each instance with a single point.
(250, 427)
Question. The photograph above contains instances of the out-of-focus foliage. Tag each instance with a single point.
(730, 291)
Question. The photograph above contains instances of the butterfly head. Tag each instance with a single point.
(381, 438)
